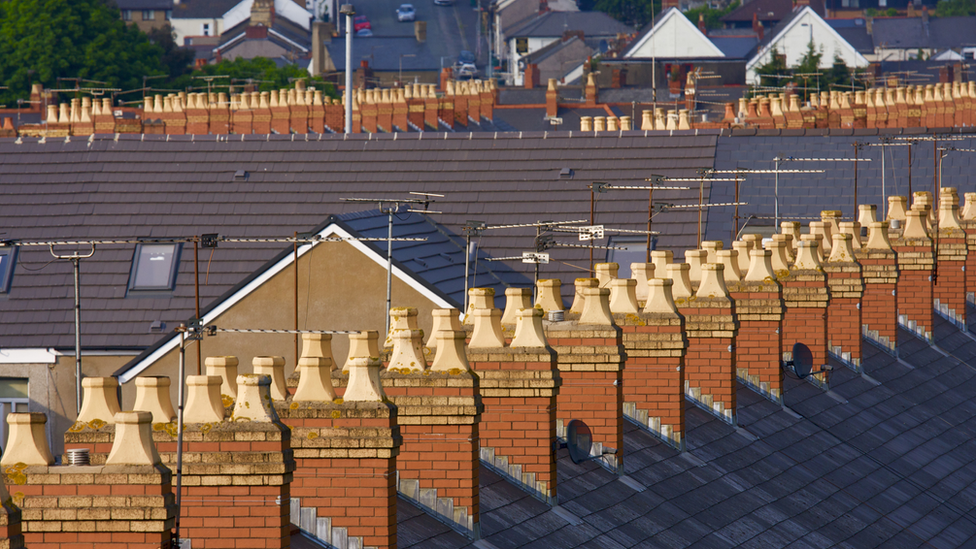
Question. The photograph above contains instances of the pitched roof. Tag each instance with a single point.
(553, 24)
(764, 10)
(915, 32)
(434, 267)
(735, 47)
(883, 459)
(673, 36)
(202, 9)
(144, 4)
(386, 53)
(821, 30)
(178, 186)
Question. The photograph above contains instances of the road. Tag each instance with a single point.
(450, 29)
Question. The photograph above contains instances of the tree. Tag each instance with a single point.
(176, 60)
(42, 40)
(954, 8)
(633, 12)
(713, 17)
(263, 73)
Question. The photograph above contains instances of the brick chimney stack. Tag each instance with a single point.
(701, 23)
(263, 13)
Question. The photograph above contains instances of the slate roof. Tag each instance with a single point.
(144, 4)
(735, 47)
(383, 53)
(202, 9)
(533, 119)
(554, 23)
(180, 186)
(764, 10)
(806, 195)
(937, 33)
(438, 261)
(884, 459)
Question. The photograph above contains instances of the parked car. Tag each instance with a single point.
(364, 32)
(443, 2)
(464, 67)
(406, 13)
(361, 22)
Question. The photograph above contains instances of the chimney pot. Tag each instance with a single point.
(133, 444)
(152, 395)
(274, 368)
(27, 441)
(254, 398)
(203, 403)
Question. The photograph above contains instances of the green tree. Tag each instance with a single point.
(264, 74)
(954, 8)
(771, 72)
(42, 40)
(633, 12)
(176, 61)
(712, 16)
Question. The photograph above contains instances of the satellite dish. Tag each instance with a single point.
(579, 441)
(802, 360)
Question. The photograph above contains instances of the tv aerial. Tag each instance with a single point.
(579, 442)
(802, 363)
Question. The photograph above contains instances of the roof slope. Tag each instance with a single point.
(916, 32)
(181, 186)
(803, 196)
(887, 459)
(673, 36)
(554, 23)
(202, 9)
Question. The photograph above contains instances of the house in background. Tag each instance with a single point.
(146, 14)
(562, 60)
(546, 28)
(767, 13)
(200, 22)
(792, 38)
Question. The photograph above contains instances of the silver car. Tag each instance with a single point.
(406, 13)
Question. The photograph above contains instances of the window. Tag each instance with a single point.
(127, 15)
(13, 398)
(635, 251)
(206, 29)
(154, 267)
(148, 15)
(8, 258)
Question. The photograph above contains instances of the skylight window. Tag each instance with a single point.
(154, 267)
(8, 258)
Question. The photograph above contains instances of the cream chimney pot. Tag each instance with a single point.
(760, 266)
(100, 400)
(679, 274)
(487, 329)
(27, 441)
(878, 236)
(254, 402)
(450, 352)
(730, 265)
(660, 299)
(133, 444)
(596, 308)
(713, 282)
(642, 272)
(408, 353)
(807, 257)
(443, 320)
(152, 395)
(364, 381)
(515, 300)
(580, 298)
(203, 403)
(528, 329)
(315, 378)
(273, 367)
(550, 295)
(842, 250)
(623, 296)
(224, 367)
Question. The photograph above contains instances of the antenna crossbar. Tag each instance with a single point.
(537, 224)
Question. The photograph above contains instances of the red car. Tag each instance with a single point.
(361, 22)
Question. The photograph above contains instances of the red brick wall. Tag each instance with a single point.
(950, 281)
(519, 422)
(844, 311)
(591, 389)
(758, 343)
(710, 358)
(655, 383)
(915, 289)
(805, 320)
(356, 493)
